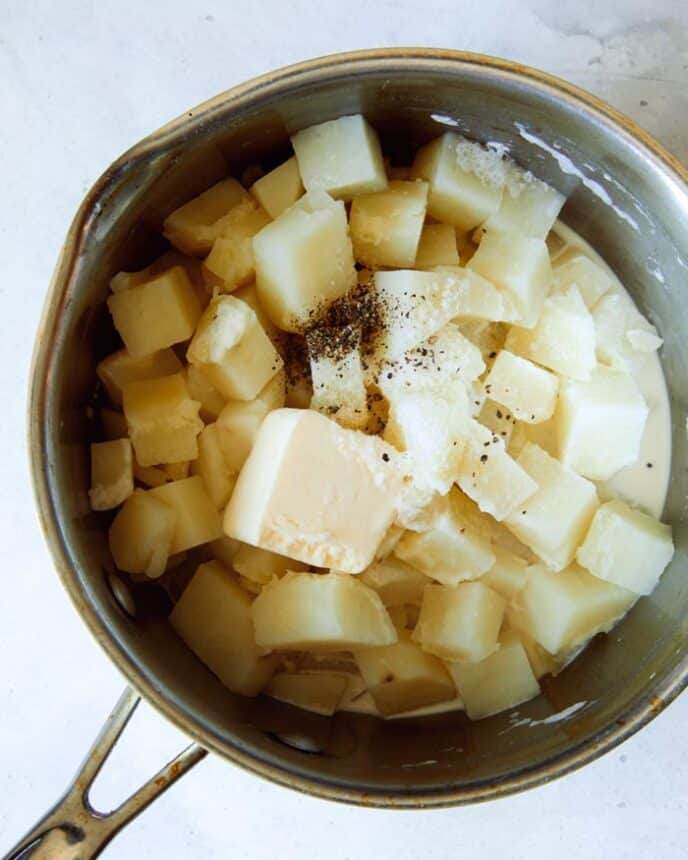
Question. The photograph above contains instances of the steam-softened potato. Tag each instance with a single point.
(237, 428)
(218, 477)
(437, 247)
(528, 391)
(231, 263)
(329, 611)
(198, 521)
(339, 389)
(529, 207)
(507, 575)
(274, 393)
(142, 534)
(119, 368)
(200, 388)
(261, 566)
(498, 419)
(213, 617)
(319, 692)
(279, 189)
(112, 477)
(396, 582)
(621, 331)
(580, 271)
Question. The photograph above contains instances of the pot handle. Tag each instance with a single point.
(73, 829)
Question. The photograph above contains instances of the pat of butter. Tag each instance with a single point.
(316, 492)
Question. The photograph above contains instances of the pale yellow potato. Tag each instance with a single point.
(261, 566)
(274, 393)
(218, 477)
(156, 314)
(304, 261)
(194, 226)
(498, 419)
(386, 225)
(580, 271)
(339, 389)
(460, 623)
(237, 427)
(197, 521)
(395, 581)
(626, 547)
(279, 189)
(142, 534)
(200, 388)
(150, 476)
(621, 331)
(231, 348)
(249, 294)
(112, 477)
(502, 680)
(319, 692)
(213, 617)
(529, 392)
(529, 208)
(507, 575)
(162, 419)
(231, 262)
(224, 549)
(324, 611)
(388, 542)
(402, 677)
(168, 260)
(114, 424)
(437, 247)
(342, 157)
(119, 368)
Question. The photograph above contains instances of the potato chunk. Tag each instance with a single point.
(200, 388)
(626, 547)
(337, 373)
(507, 575)
(620, 331)
(528, 391)
(554, 520)
(600, 423)
(561, 611)
(465, 180)
(119, 368)
(528, 208)
(142, 533)
(342, 157)
(329, 611)
(261, 566)
(163, 420)
(402, 677)
(156, 314)
(213, 617)
(279, 189)
(477, 299)
(112, 477)
(274, 393)
(218, 477)
(238, 426)
(437, 247)
(304, 260)
(197, 521)
(580, 271)
(231, 348)
(502, 680)
(395, 581)
(386, 225)
(231, 263)
(319, 692)
(460, 623)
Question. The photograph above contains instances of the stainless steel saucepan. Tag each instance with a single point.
(626, 195)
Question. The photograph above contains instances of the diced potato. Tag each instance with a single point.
(437, 247)
(168, 260)
(114, 424)
(156, 314)
(563, 339)
(478, 298)
(342, 157)
(386, 225)
(150, 476)
(279, 189)
(337, 373)
(402, 677)
(230, 263)
(224, 549)
(249, 294)
(388, 542)
(112, 477)
(119, 368)
(328, 611)
(519, 266)
(465, 180)
(304, 260)
(395, 581)
(490, 477)
(213, 617)
(497, 419)
(502, 680)
(142, 534)
(274, 393)
(449, 552)
(218, 477)
(489, 337)
(620, 330)
(529, 209)
(197, 521)
(561, 611)
(580, 271)
(319, 692)
(200, 388)
(529, 391)
(163, 420)
(261, 566)
(194, 226)
(460, 623)
(626, 547)
(231, 348)
(237, 426)
(507, 575)
(600, 423)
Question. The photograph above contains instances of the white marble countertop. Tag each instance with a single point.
(81, 82)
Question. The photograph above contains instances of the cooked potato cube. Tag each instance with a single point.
(114, 424)
(219, 479)
(395, 581)
(279, 189)
(386, 225)
(319, 692)
(274, 393)
(563, 339)
(626, 547)
(342, 157)
(249, 294)
(231, 348)
(465, 179)
(337, 373)
(200, 388)
(554, 520)
(561, 611)
(150, 476)
(600, 423)
(520, 267)
(507, 575)
(529, 208)
(528, 391)
(460, 623)
(326, 611)
(163, 420)
(477, 298)
(502, 680)
(620, 330)
(112, 476)
(194, 226)
(261, 566)
(437, 247)
(580, 271)
(142, 534)
(156, 314)
(168, 260)
(497, 419)
(224, 549)
(304, 260)
(402, 677)
(213, 617)
(231, 263)
(198, 521)
(119, 368)
(238, 425)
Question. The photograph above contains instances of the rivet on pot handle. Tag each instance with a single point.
(73, 829)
